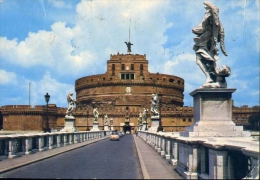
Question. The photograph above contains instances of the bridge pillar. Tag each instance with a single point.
(163, 147)
(174, 159)
(168, 149)
(159, 145)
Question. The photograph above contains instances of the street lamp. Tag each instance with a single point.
(87, 120)
(47, 98)
(146, 115)
(160, 128)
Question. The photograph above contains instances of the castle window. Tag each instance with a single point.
(127, 76)
(141, 67)
(104, 78)
(141, 73)
(171, 80)
(113, 73)
(113, 67)
(189, 119)
(122, 67)
(183, 120)
(164, 79)
(179, 82)
(132, 67)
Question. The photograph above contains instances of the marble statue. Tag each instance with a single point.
(71, 102)
(140, 118)
(95, 112)
(145, 115)
(209, 33)
(111, 122)
(155, 105)
(106, 118)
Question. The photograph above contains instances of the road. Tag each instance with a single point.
(102, 160)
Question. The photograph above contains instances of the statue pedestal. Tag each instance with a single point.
(213, 115)
(144, 126)
(95, 127)
(155, 121)
(140, 127)
(69, 124)
(106, 128)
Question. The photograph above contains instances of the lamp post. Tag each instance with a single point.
(146, 115)
(47, 98)
(87, 120)
(160, 128)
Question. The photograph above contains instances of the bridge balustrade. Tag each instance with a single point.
(207, 158)
(23, 144)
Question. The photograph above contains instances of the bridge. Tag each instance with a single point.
(146, 156)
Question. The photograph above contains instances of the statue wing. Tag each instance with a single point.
(221, 40)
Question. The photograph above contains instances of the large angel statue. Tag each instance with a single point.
(155, 105)
(209, 33)
(71, 102)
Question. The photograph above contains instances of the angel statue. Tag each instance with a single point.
(140, 118)
(155, 105)
(128, 44)
(209, 33)
(106, 118)
(95, 112)
(145, 115)
(71, 102)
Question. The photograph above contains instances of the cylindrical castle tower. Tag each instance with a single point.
(126, 88)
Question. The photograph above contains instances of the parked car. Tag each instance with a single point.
(114, 136)
(127, 132)
(120, 133)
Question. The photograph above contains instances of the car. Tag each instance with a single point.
(114, 136)
(127, 132)
(120, 133)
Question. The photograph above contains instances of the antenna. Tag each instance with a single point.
(30, 94)
(129, 29)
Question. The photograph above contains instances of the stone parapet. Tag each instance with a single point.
(207, 157)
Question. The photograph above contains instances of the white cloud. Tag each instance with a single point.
(60, 4)
(7, 77)
(57, 90)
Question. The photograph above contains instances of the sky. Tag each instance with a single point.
(45, 45)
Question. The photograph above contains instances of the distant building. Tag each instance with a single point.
(248, 117)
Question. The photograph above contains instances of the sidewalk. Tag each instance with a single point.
(8, 164)
(153, 165)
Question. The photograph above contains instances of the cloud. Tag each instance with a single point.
(57, 90)
(60, 4)
(7, 77)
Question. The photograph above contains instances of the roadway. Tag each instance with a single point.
(103, 160)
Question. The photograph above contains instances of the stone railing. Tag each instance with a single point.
(16, 145)
(209, 157)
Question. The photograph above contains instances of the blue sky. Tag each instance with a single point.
(51, 43)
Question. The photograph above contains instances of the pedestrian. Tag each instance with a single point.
(136, 132)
